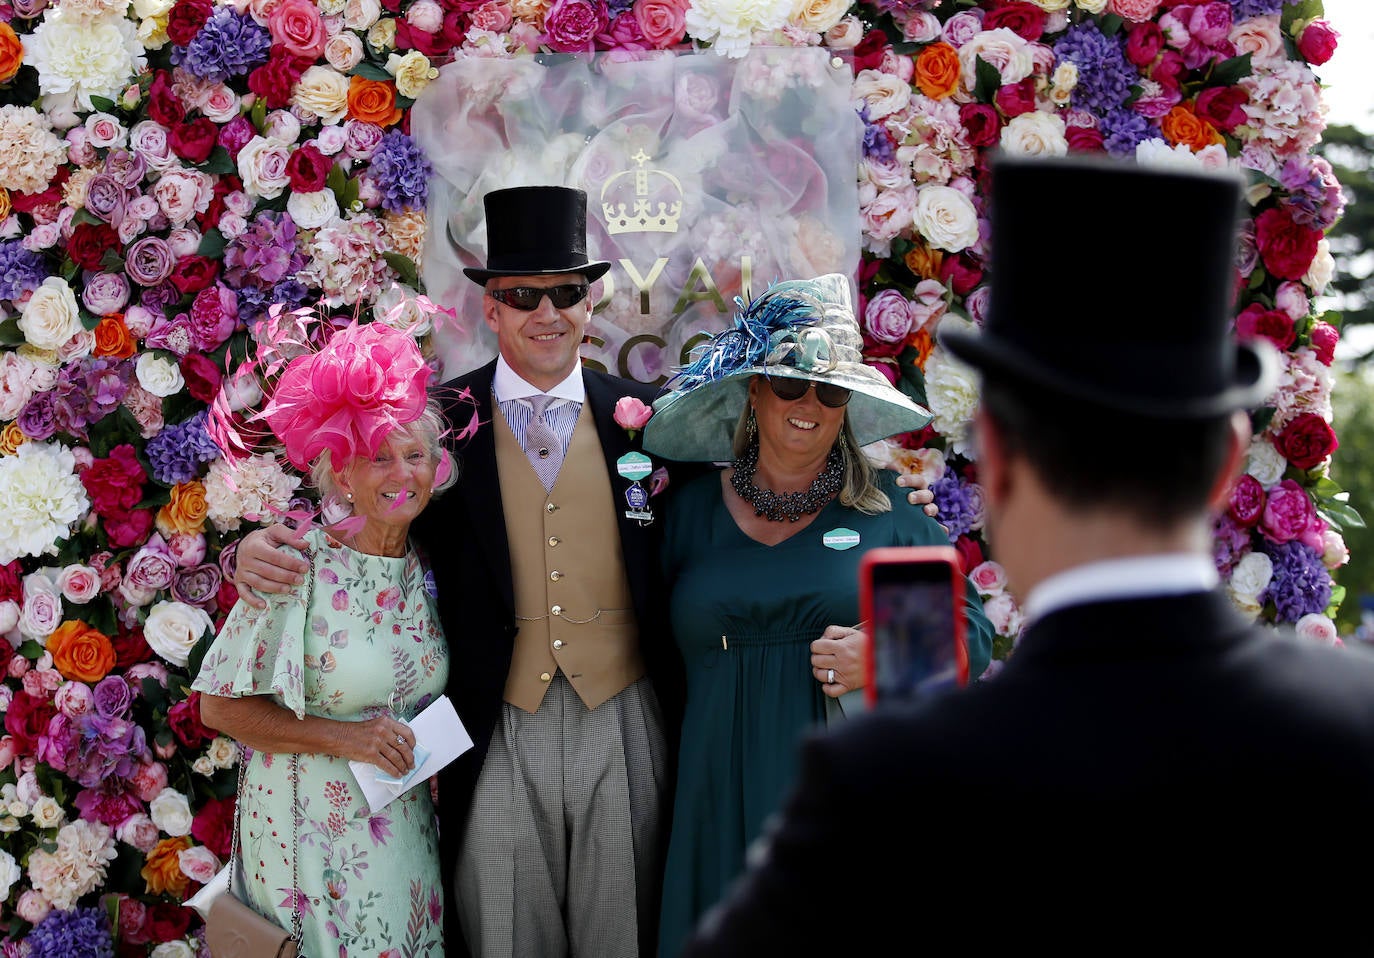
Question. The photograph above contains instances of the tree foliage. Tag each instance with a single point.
(1350, 152)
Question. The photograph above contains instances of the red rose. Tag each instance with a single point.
(193, 141)
(960, 273)
(193, 273)
(308, 169)
(274, 80)
(970, 554)
(227, 596)
(213, 825)
(1016, 98)
(115, 483)
(184, 721)
(1026, 20)
(6, 653)
(26, 719)
(164, 106)
(1324, 337)
(1144, 42)
(1275, 325)
(186, 18)
(28, 202)
(89, 243)
(1306, 441)
(1247, 501)
(982, 124)
(202, 375)
(167, 922)
(126, 529)
(432, 45)
(1317, 42)
(130, 648)
(1085, 139)
(9, 581)
(869, 52)
(1287, 248)
(1222, 106)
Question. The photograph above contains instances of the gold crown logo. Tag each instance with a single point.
(645, 213)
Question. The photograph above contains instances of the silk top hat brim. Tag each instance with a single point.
(534, 231)
(798, 329)
(1125, 304)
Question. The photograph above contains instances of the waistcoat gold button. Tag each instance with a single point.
(555, 575)
(557, 610)
(545, 677)
(558, 643)
(554, 540)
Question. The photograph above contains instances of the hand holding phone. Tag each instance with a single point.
(912, 599)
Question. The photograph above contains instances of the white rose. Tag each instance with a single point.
(1001, 49)
(176, 948)
(1265, 462)
(1247, 605)
(9, 873)
(1251, 575)
(361, 14)
(1035, 134)
(159, 375)
(952, 395)
(9, 618)
(47, 813)
(323, 92)
(1003, 614)
(1318, 628)
(1322, 268)
(884, 93)
(343, 51)
(223, 752)
(262, 165)
(171, 812)
(946, 218)
(51, 316)
(1334, 551)
(203, 766)
(1091, 6)
(313, 210)
(174, 628)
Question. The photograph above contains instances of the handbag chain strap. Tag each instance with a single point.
(297, 934)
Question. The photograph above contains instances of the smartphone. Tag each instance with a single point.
(912, 598)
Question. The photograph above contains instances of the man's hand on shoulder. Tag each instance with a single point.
(263, 568)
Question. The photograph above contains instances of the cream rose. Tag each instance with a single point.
(846, 34)
(47, 813)
(884, 93)
(361, 14)
(174, 628)
(1321, 269)
(262, 165)
(413, 72)
(1003, 49)
(1252, 574)
(171, 812)
(159, 375)
(817, 16)
(343, 51)
(323, 92)
(223, 752)
(945, 217)
(1035, 134)
(51, 316)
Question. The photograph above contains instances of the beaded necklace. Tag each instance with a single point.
(789, 506)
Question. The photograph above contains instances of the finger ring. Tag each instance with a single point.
(400, 739)
(829, 676)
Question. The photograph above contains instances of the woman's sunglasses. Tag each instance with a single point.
(788, 389)
(526, 298)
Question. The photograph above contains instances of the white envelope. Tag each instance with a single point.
(438, 729)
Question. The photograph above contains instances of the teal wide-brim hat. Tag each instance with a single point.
(797, 329)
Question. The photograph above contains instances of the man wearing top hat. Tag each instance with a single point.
(1152, 773)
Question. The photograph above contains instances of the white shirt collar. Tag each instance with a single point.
(508, 385)
(1165, 574)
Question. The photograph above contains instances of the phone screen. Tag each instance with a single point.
(915, 619)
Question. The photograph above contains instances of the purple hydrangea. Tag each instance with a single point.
(89, 390)
(615, 8)
(230, 44)
(401, 171)
(960, 504)
(21, 270)
(1105, 76)
(264, 254)
(1230, 543)
(1245, 9)
(1300, 584)
(1314, 195)
(177, 452)
(80, 931)
(1122, 129)
(38, 418)
(291, 293)
(877, 140)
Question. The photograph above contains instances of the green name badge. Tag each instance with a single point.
(634, 465)
(840, 539)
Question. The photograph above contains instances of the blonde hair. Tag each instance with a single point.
(860, 490)
(430, 429)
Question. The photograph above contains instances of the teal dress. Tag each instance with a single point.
(744, 615)
(369, 881)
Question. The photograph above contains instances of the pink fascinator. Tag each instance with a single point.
(348, 397)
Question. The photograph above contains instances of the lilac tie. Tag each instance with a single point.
(542, 445)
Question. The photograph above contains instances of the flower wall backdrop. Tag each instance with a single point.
(170, 169)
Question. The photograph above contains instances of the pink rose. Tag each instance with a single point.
(1292, 299)
(198, 863)
(494, 15)
(1247, 501)
(989, 578)
(1256, 322)
(139, 831)
(298, 26)
(32, 907)
(571, 26)
(1324, 337)
(663, 22)
(1288, 513)
(181, 194)
(79, 583)
(151, 567)
(73, 699)
(1318, 628)
(1137, 11)
(148, 780)
(187, 549)
(427, 16)
(887, 318)
(631, 414)
(1317, 42)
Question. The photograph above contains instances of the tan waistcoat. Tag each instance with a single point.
(572, 600)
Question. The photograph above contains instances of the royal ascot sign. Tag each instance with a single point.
(707, 178)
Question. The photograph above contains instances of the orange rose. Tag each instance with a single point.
(1182, 125)
(373, 101)
(924, 261)
(11, 438)
(5, 207)
(11, 52)
(937, 71)
(112, 337)
(186, 513)
(924, 344)
(80, 652)
(162, 871)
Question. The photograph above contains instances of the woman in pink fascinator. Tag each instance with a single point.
(330, 673)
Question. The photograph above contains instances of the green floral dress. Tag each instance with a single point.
(368, 883)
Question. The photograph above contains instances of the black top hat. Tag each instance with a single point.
(1126, 307)
(533, 230)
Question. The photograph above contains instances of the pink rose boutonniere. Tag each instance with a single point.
(631, 414)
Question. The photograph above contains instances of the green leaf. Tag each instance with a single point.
(258, 115)
(337, 181)
(103, 104)
(988, 81)
(1340, 515)
(1230, 72)
(219, 161)
(212, 244)
(404, 267)
(1304, 10)
(30, 649)
(369, 71)
(10, 333)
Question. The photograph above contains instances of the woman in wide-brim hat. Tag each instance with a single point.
(762, 561)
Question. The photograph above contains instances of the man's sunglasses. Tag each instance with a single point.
(527, 298)
(788, 389)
